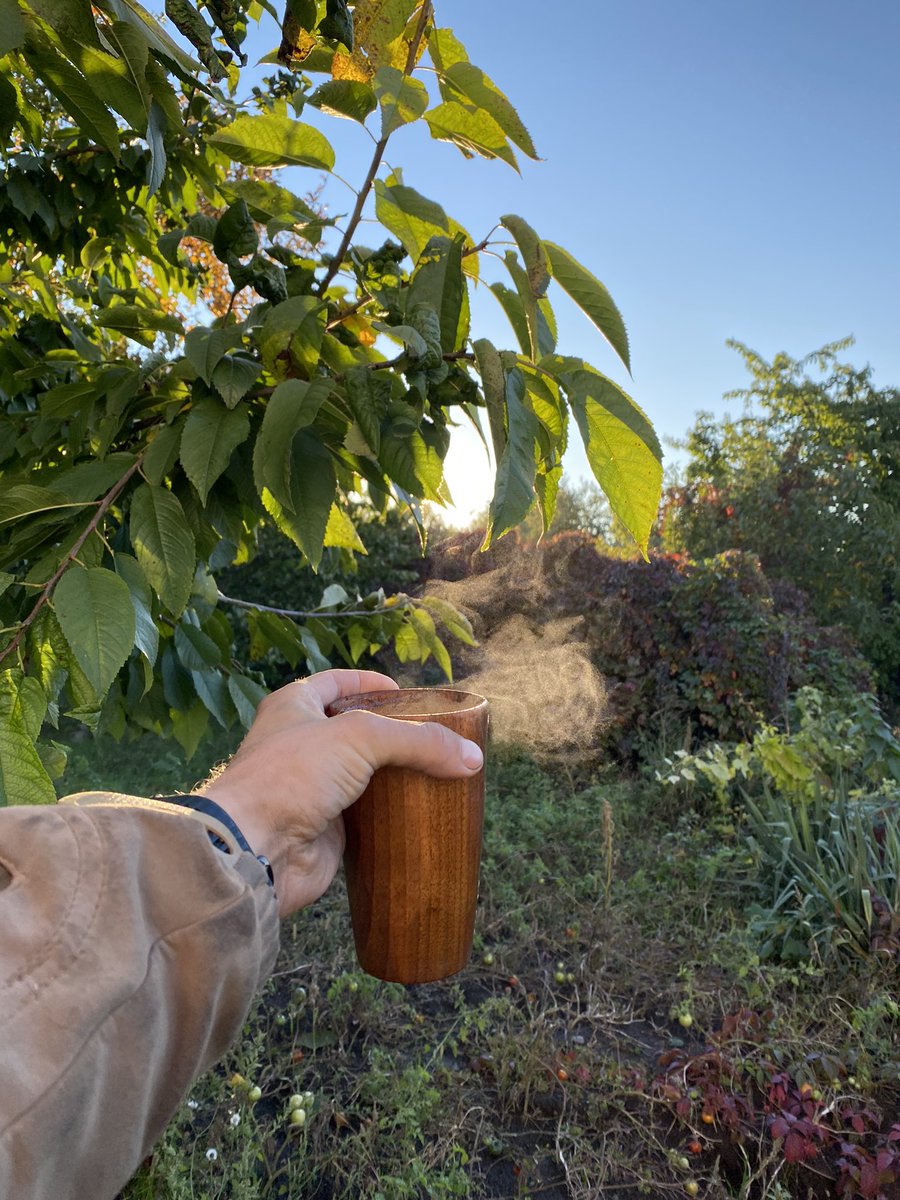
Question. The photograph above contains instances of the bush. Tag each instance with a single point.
(820, 807)
(691, 651)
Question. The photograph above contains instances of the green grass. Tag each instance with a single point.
(540, 1071)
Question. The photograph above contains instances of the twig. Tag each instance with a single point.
(315, 614)
(380, 147)
(348, 312)
(71, 556)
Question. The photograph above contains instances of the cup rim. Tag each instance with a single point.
(389, 697)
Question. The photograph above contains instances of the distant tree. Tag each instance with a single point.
(808, 479)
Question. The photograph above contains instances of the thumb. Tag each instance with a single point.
(420, 745)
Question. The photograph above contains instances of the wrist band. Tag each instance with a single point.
(203, 804)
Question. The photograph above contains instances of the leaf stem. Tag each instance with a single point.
(102, 508)
(380, 147)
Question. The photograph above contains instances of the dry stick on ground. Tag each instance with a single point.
(380, 148)
(71, 556)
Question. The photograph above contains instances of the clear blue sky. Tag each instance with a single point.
(728, 170)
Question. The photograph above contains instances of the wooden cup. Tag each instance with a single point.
(414, 847)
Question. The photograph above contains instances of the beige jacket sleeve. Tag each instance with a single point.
(130, 952)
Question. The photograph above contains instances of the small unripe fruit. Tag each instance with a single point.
(488, 959)
(254, 1094)
(692, 1187)
(684, 1163)
(685, 1020)
(296, 1101)
(298, 1117)
(353, 986)
(280, 1019)
(560, 977)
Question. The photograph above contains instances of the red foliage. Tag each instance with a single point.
(746, 1093)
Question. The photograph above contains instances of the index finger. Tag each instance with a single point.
(328, 686)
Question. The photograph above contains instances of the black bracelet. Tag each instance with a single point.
(204, 805)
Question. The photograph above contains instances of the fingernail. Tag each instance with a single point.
(472, 756)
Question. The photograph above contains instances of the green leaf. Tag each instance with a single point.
(163, 544)
(196, 649)
(246, 694)
(271, 629)
(114, 80)
(146, 635)
(203, 348)
(292, 406)
(90, 480)
(514, 487)
(189, 726)
(403, 99)
(470, 129)
(95, 612)
(235, 235)
(438, 283)
(462, 80)
(295, 327)
(76, 96)
(312, 487)
(341, 532)
(445, 49)
(48, 653)
(528, 307)
(161, 454)
(6, 581)
(233, 376)
(211, 433)
(9, 107)
(410, 337)
(493, 384)
(622, 447)
(23, 779)
(414, 459)
(23, 500)
(409, 216)
(457, 623)
(368, 395)
(511, 303)
(546, 487)
(160, 40)
(348, 98)
(591, 297)
(407, 646)
(533, 253)
(269, 201)
(274, 140)
(12, 26)
(212, 688)
(428, 638)
(132, 319)
(71, 19)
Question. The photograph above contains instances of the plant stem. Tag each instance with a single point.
(320, 614)
(380, 147)
(71, 557)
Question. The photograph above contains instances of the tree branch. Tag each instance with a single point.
(315, 615)
(102, 508)
(380, 147)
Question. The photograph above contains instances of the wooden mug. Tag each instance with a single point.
(413, 847)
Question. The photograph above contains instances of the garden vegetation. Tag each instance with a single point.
(222, 432)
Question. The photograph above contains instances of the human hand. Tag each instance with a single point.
(297, 770)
